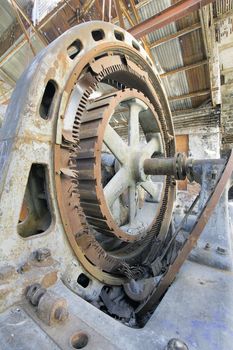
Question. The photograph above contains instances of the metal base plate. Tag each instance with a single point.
(198, 309)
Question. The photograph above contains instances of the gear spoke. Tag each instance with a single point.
(132, 203)
(116, 186)
(154, 189)
(115, 143)
(133, 132)
(154, 145)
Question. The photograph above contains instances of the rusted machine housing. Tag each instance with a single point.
(63, 237)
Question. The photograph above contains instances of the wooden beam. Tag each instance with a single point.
(135, 11)
(109, 10)
(13, 49)
(146, 2)
(176, 35)
(71, 7)
(119, 13)
(23, 27)
(132, 23)
(212, 53)
(223, 16)
(28, 20)
(196, 112)
(20, 39)
(169, 15)
(8, 48)
(192, 28)
(9, 37)
(227, 46)
(184, 68)
(87, 6)
(103, 10)
(98, 8)
(190, 95)
(226, 70)
(7, 78)
(138, 6)
(51, 14)
(138, 19)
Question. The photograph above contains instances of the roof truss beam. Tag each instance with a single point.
(184, 68)
(190, 95)
(212, 52)
(169, 15)
(176, 35)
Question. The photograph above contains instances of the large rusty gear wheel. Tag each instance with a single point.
(97, 200)
(110, 64)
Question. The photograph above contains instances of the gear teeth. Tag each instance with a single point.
(82, 157)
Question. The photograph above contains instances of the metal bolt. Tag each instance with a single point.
(221, 251)
(41, 254)
(34, 293)
(23, 268)
(176, 344)
(207, 246)
(214, 174)
(61, 314)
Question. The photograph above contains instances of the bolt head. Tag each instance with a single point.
(41, 254)
(176, 344)
(61, 314)
(221, 251)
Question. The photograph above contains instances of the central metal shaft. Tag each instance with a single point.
(179, 166)
(175, 166)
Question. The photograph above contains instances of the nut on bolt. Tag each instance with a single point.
(221, 251)
(50, 307)
(176, 344)
(34, 293)
(61, 314)
(214, 174)
(207, 246)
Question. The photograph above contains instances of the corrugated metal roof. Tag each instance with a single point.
(41, 8)
(6, 16)
(193, 50)
(15, 65)
(167, 56)
(223, 6)
(18, 62)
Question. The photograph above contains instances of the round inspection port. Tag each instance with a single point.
(79, 340)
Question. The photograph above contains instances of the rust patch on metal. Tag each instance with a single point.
(49, 279)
